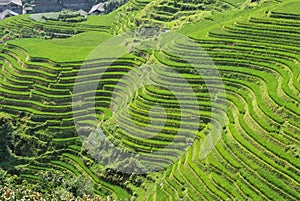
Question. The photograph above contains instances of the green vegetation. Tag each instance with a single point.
(64, 15)
(76, 48)
(255, 49)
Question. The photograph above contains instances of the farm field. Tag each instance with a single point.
(157, 100)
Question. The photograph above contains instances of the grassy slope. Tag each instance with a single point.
(101, 20)
(218, 20)
(73, 49)
(200, 29)
(78, 47)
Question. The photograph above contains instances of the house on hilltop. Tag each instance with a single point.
(97, 9)
(7, 13)
(42, 6)
(12, 5)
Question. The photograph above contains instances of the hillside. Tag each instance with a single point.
(157, 100)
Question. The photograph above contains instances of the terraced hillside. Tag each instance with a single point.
(175, 12)
(258, 153)
(249, 108)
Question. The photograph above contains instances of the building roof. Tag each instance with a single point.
(4, 2)
(17, 2)
(83, 13)
(6, 13)
(28, 8)
(7, 2)
(98, 7)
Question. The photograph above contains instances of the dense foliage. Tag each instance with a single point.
(56, 186)
(65, 16)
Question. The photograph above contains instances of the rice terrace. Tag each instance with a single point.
(150, 100)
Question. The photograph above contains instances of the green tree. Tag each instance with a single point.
(79, 186)
(3, 174)
(5, 138)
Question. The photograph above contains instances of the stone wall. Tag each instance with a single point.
(75, 4)
(57, 5)
(47, 6)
